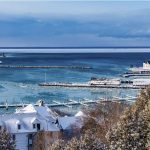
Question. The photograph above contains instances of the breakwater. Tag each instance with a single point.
(32, 67)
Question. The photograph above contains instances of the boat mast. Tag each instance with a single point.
(45, 77)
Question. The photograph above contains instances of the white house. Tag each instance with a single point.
(27, 121)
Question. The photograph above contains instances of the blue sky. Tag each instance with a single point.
(74, 23)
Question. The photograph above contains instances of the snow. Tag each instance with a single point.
(67, 122)
(80, 113)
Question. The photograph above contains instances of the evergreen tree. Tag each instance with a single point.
(132, 132)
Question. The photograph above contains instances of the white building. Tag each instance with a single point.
(145, 68)
(27, 121)
(141, 82)
(146, 65)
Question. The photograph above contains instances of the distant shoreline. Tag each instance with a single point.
(36, 49)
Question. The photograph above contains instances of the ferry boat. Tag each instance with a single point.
(105, 81)
(139, 71)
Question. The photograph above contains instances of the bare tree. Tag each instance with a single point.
(102, 117)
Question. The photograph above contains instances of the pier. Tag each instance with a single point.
(44, 67)
(86, 85)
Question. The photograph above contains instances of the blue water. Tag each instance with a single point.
(12, 80)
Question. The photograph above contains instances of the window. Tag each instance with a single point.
(33, 126)
(14, 137)
(19, 126)
(0, 127)
(30, 136)
(30, 140)
(38, 126)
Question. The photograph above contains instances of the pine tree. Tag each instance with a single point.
(6, 141)
(132, 132)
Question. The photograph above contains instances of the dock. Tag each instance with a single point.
(87, 85)
(70, 103)
(127, 75)
(45, 67)
(54, 103)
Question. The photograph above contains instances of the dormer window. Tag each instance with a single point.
(33, 126)
(19, 126)
(38, 126)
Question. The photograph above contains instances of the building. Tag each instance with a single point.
(144, 69)
(146, 65)
(141, 82)
(27, 121)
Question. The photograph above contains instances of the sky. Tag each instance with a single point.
(75, 23)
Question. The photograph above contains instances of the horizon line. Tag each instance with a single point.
(71, 47)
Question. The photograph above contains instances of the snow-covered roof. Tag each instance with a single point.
(29, 115)
(67, 122)
(80, 113)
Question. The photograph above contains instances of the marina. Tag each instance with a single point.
(71, 103)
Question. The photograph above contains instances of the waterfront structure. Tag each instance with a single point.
(146, 65)
(105, 81)
(139, 71)
(141, 82)
(27, 121)
(144, 69)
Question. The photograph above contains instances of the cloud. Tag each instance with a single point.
(74, 23)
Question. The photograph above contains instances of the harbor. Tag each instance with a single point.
(25, 80)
